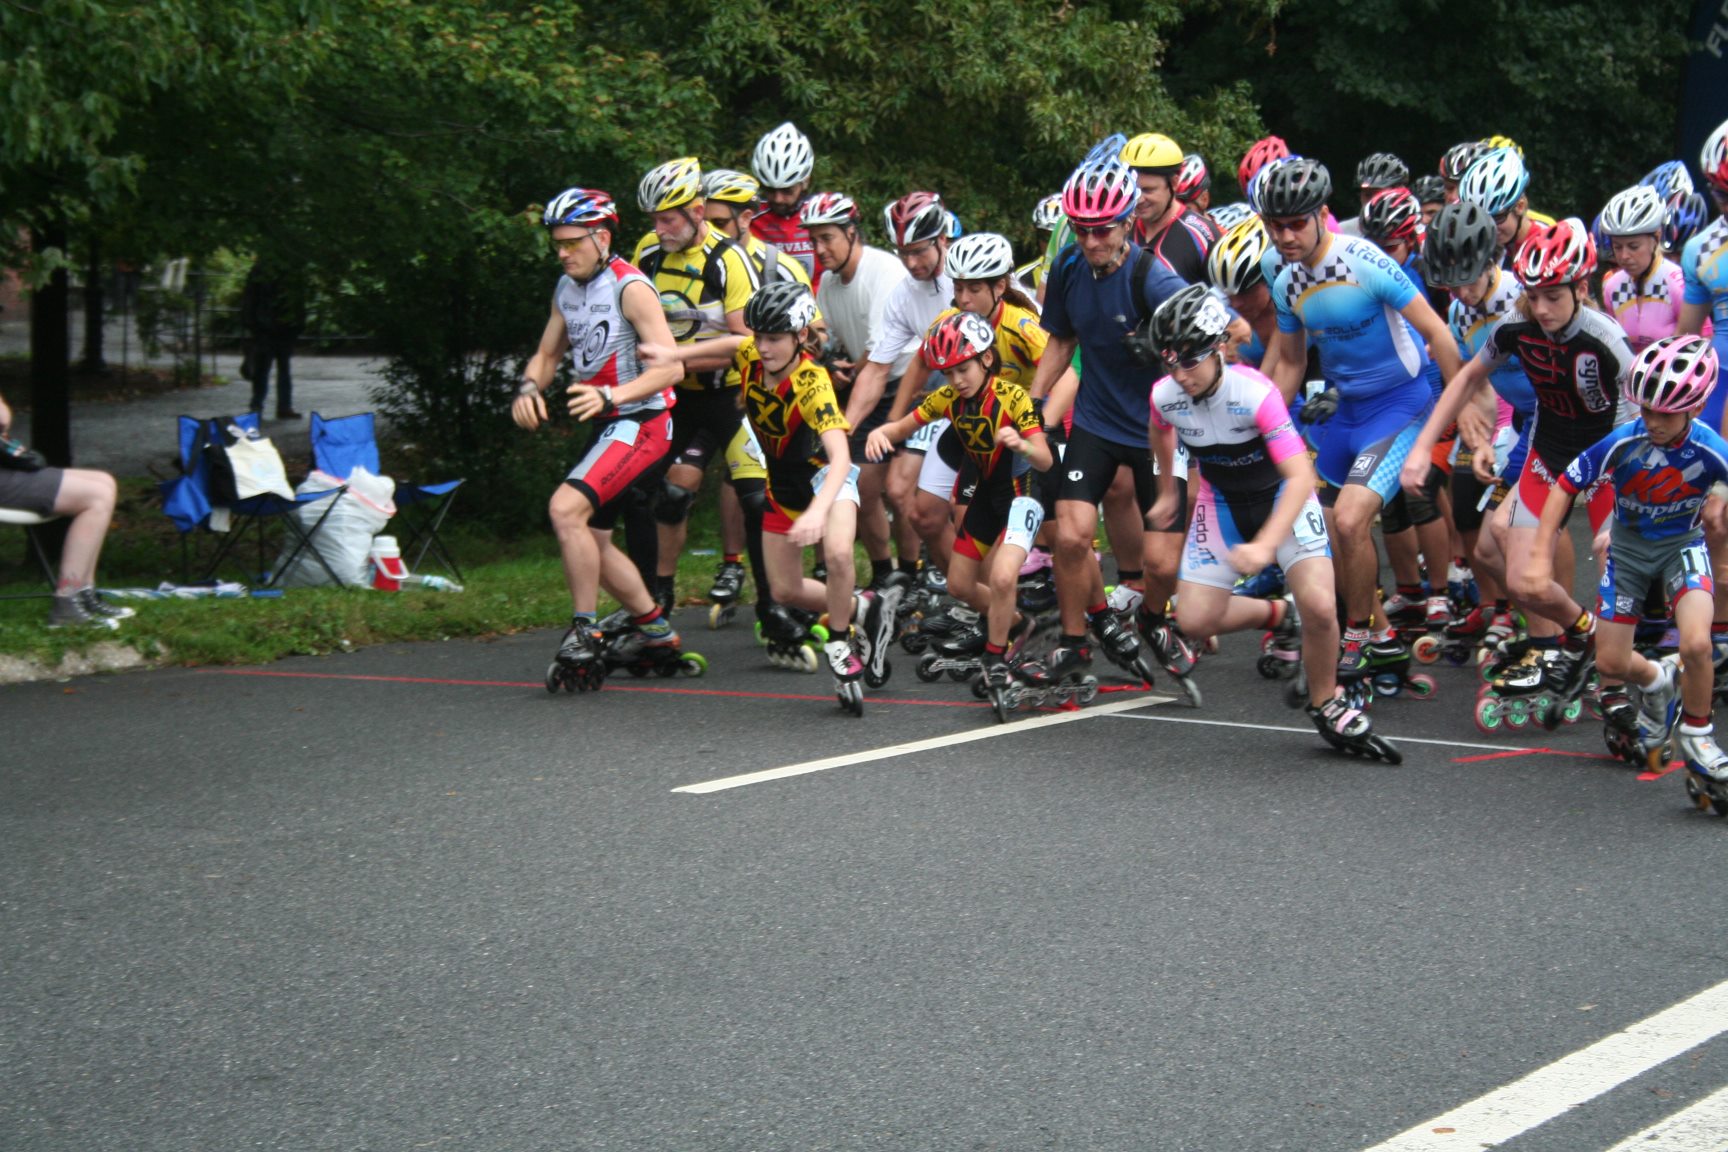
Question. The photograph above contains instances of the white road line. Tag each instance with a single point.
(1311, 732)
(1548, 1092)
(1700, 1128)
(893, 750)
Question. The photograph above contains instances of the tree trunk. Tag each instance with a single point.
(92, 360)
(50, 356)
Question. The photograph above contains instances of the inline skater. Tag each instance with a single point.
(1576, 359)
(1661, 467)
(602, 309)
(1376, 173)
(1193, 183)
(1430, 190)
(1046, 218)
(996, 426)
(1176, 234)
(918, 225)
(1369, 324)
(812, 487)
(1497, 183)
(782, 162)
(1645, 291)
(1098, 288)
(1455, 163)
(1459, 255)
(853, 296)
(704, 279)
(1255, 505)
(1234, 267)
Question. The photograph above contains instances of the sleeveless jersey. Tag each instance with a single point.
(1238, 435)
(1576, 377)
(602, 342)
(699, 288)
(1470, 326)
(1349, 305)
(1648, 310)
(1659, 492)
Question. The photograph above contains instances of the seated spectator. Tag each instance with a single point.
(87, 498)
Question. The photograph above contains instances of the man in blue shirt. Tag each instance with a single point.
(1097, 292)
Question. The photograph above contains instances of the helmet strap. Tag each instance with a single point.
(1114, 263)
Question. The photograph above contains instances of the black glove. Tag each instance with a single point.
(1321, 408)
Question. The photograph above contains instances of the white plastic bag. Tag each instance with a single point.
(345, 538)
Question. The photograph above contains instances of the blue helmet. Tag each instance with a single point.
(1686, 213)
(1667, 178)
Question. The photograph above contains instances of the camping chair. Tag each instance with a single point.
(187, 502)
(341, 444)
(30, 522)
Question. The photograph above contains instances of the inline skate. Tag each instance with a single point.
(792, 637)
(848, 669)
(944, 624)
(1369, 669)
(1281, 656)
(1706, 768)
(1122, 645)
(641, 654)
(580, 664)
(1064, 677)
(1348, 729)
(879, 611)
(1656, 710)
(728, 588)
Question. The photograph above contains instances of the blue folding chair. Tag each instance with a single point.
(342, 443)
(186, 500)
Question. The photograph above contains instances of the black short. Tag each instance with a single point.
(1089, 466)
(1405, 510)
(703, 423)
(876, 417)
(1468, 511)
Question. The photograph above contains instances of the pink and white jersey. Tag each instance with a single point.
(1649, 310)
(602, 342)
(1237, 435)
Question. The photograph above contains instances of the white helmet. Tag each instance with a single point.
(1496, 182)
(1227, 216)
(980, 256)
(783, 158)
(1637, 211)
(1048, 214)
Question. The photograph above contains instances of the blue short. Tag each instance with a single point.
(1368, 439)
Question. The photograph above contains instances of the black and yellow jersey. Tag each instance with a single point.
(999, 404)
(699, 288)
(1020, 341)
(789, 419)
(786, 267)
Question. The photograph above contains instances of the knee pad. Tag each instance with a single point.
(673, 506)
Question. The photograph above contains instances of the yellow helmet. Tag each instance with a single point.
(1233, 265)
(732, 186)
(671, 185)
(1504, 142)
(1151, 152)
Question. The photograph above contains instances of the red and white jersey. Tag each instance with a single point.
(602, 342)
(787, 234)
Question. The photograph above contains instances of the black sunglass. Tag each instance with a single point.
(1094, 229)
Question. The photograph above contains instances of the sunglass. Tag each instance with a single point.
(1188, 363)
(1282, 225)
(1094, 230)
(570, 244)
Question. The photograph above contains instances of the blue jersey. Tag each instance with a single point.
(1412, 267)
(1659, 492)
(1114, 400)
(1704, 263)
(1349, 303)
(1470, 327)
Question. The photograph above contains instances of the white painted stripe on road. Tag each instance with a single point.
(1700, 1128)
(1311, 732)
(1089, 713)
(1548, 1092)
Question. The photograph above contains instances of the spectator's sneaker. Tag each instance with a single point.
(96, 606)
(69, 612)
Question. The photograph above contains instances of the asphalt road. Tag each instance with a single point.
(404, 899)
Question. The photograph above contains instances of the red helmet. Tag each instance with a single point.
(957, 338)
(915, 218)
(1713, 160)
(1564, 253)
(828, 208)
(1392, 215)
(1263, 152)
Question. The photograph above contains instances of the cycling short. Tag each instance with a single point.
(1405, 511)
(625, 451)
(1471, 499)
(873, 420)
(31, 491)
(1534, 484)
(1217, 528)
(1634, 566)
(744, 456)
(778, 519)
(986, 525)
(706, 422)
(1089, 467)
(1366, 441)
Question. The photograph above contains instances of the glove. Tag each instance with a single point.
(1321, 408)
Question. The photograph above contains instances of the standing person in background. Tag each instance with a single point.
(783, 162)
(273, 312)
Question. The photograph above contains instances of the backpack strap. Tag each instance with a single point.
(1142, 267)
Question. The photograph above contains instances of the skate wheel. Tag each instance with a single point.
(1422, 686)
(692, 664)
(876, 679)
(820, 633)
(1088, 691)
(1295, 694)
(979, 690)
(1490, 714)
(1002, 705)
(1269, 667)
(1573, 712)
(1192, 691)
(1385, 749)
(718, 615)
(553, 679)
(760, 639)
(1656, 758)
(1696, 794)
(927, 670)
(1387, 684)
(806, 660)
(1518, 713)
(851, 697)
(959, 675)
(914, 643)
(1426, 649)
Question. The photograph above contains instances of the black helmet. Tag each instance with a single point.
(1297, 186)
(1382, 170)
(783, 306)
(1460, 245)
(1188, 326)
(1459, 157)
(1429, 189)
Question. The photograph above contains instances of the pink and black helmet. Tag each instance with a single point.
(1674, 374)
